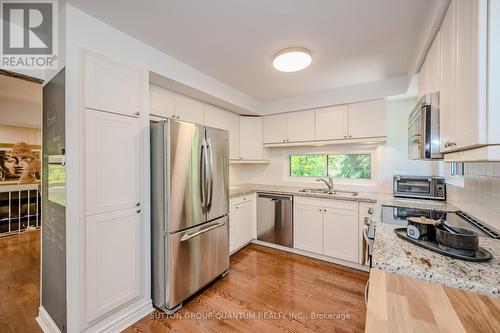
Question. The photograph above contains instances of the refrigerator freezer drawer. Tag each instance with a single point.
(197, 256)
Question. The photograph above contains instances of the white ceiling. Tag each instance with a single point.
(352, 41)
(20, 102)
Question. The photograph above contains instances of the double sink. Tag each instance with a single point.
(326, 191)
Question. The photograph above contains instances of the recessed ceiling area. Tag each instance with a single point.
(234, 41)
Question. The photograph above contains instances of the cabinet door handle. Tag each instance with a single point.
(138, 211)
(137, 114)
(138, 204)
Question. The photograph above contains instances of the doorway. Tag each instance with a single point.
(20, 201)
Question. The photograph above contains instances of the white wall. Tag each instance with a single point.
(12, 135)
(480, 193)
(20, 102)
(392, 157)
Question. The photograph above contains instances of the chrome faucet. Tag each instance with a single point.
(328, 183)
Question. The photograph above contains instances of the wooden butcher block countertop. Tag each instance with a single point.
(398, 303)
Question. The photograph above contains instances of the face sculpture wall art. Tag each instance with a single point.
(19, 165)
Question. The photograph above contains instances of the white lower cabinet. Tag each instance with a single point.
(113, 261)
(308, 228)
(340, 234)
(242, 221)
(327, 227)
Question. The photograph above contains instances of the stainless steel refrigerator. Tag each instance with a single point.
(190, 206)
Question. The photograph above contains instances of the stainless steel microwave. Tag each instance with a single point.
(422, 187)
(423, 129)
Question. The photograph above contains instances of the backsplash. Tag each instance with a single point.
(480, 195)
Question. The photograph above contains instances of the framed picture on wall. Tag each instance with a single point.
(19, 164)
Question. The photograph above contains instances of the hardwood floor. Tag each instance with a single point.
(267, 282)
(266, 291)
(19, 282)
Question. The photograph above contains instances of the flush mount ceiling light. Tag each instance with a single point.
(292, 59)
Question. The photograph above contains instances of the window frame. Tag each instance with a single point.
(343, 181)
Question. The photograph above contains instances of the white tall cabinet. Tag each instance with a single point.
(113, 233)
(111, 87)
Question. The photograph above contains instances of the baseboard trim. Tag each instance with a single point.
(45, 322)
(128, 319)
(313, 255)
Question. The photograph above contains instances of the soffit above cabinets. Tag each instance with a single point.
(221, 39)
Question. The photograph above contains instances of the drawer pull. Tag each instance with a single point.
(188, 236)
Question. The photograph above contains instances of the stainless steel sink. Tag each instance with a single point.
(346, 193)
(314, 190)
(325, 191)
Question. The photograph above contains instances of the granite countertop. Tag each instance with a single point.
(386, 199)
(238, 190)
(395, 255)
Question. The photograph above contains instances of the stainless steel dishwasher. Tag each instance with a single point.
(275, 219)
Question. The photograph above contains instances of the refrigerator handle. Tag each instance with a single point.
(188, 236)
(210, 174)
(203, 175)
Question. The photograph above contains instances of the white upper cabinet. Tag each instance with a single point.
(471, 81)
(111, 87)
(447, 92)
(331, 123)
(351, 121)
(112, 162)
(251, 138)
(429, 77)
(300, 126)
(167, 104)
(226, 120)
(274, 128)
(161, 102)
(188, 109)
(368, 119)
(465, 79)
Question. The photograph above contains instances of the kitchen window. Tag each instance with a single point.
(340, 166)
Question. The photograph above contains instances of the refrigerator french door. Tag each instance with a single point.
(190, 206)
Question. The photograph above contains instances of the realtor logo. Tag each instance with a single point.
(29, 34)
